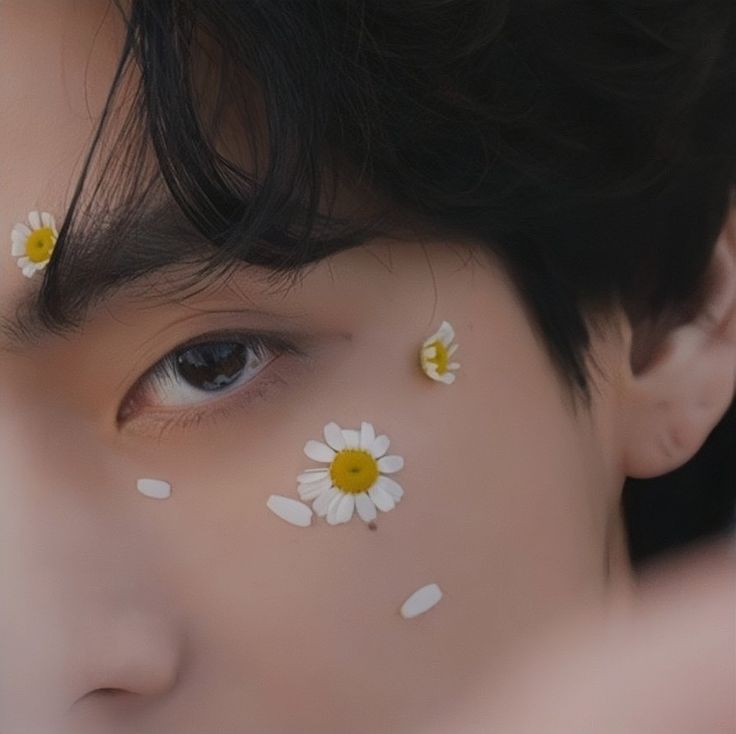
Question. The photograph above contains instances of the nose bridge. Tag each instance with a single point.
(81, 602)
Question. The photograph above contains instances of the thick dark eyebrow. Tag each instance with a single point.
(163, 241)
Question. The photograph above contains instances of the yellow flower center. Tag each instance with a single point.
(441, 357)
(353, 471)
(39, 244)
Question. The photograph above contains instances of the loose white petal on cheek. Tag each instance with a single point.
(390, 464)
(318, 451)
(365, 507)
(421, 601)
(156, 489)
(290, 510)
(333, 436)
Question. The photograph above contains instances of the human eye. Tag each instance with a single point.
(201, 374)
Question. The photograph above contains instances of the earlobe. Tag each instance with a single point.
(673, 402)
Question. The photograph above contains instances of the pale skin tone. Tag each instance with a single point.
(204, 612)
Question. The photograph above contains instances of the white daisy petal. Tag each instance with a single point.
(352, 438)
(367, 435)
(334, 437)
(17, 248)
(429, 352)
(318, 451)
(446, 333)
(422, 600)
(380, 446)
(312, 475)
(290, 510)
(390, 486)
(34, 219)
(381, 498)
(47, 220)
(452, 350)
(390, 464)
(322, 503)
(365, 507)
(29, 270)
(156, 489)
(453, 366)
(333, 507)
(312, 490)
(21, 230)
(345, 508)
(448, 378)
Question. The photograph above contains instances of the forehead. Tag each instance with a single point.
(57, 60)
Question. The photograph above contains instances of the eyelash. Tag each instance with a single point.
(226, 403)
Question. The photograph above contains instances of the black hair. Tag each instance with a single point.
(590, 145)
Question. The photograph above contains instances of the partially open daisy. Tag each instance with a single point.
(355, 479)
(436, 353)
(33, 243)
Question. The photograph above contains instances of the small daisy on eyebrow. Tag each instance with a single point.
(436, 352)
(355, 479)
(33, 243)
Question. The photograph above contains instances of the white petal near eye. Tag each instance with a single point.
(421, 601)
(290, 510)
(156, 489)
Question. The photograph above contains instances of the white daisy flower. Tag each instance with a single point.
(33, 243)
(355, 478)
(436, 353)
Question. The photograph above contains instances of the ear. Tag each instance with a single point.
(684, 387)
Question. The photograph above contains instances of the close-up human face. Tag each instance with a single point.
(205, 611)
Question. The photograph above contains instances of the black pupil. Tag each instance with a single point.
(212, 366)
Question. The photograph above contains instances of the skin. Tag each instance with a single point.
(205, 612)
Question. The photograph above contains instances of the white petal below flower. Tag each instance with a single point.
(156, 489)
(290, 510)
(421, 601)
